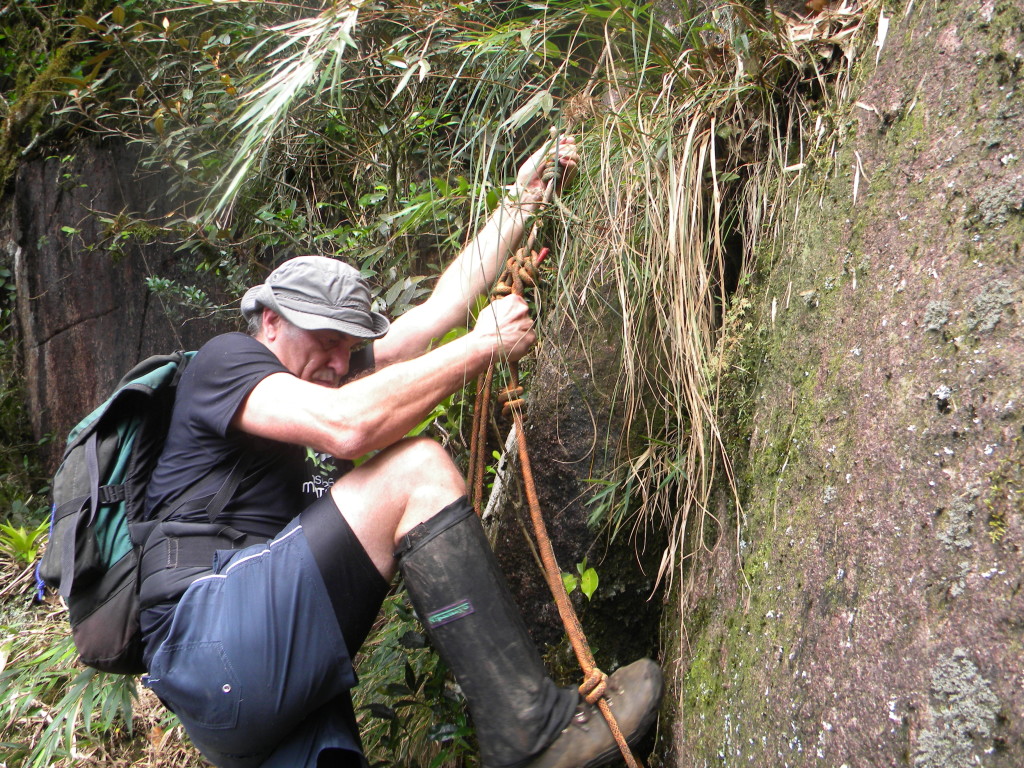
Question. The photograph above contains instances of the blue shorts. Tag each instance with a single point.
(258, 660)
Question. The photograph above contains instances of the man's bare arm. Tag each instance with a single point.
(375, 411)
(474, 270)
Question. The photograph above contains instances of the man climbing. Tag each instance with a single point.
(252, 619)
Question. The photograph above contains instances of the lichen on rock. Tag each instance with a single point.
(955, 533)
(995, 203)
(987, 308)
(964, 709)
(936, 315)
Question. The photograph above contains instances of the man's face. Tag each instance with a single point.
(321, 357)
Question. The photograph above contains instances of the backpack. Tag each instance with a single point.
(98, 523)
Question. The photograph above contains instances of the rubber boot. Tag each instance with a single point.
(521, 717)
(462, 599)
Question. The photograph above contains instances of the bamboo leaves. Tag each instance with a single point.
(311, 53)
(541, 102)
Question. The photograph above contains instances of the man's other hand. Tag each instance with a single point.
(560, 149)
(506, 326)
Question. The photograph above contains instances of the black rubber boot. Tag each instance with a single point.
(461, 597)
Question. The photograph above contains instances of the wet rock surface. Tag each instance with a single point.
(85, 315)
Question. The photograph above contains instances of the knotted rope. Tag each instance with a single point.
(522, 271)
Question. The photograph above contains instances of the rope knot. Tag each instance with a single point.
(594, 685)
(511, 398)
(521, 270)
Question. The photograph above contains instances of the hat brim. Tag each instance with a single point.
(313, 322)
(263, 296)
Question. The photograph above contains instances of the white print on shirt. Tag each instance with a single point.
(317, 485)
(321, 468)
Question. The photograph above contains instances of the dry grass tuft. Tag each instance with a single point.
(38, 667)
(687, 178)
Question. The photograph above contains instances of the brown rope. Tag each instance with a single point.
(521, 271)
(478, 440)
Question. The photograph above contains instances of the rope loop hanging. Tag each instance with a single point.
(522, 271)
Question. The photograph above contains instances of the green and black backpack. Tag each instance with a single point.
(98, 525)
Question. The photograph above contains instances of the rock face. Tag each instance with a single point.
(869, 610)
(84, 312)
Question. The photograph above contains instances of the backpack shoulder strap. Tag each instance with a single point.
(219, 500)
(228, 488)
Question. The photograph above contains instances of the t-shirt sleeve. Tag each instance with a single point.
(221, 376)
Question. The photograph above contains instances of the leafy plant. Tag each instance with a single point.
(585, 579)
(409, 712)
(60, 704)
(190, 296)
(22, 543)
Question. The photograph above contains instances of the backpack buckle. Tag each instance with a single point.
(111, 494)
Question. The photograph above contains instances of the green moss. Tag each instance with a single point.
(1004, 492)
(35, 87)
(910, 128)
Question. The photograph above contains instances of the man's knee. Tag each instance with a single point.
(429, 478)
(423, 460)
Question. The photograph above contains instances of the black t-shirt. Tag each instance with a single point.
(281, 479)
(202, 444)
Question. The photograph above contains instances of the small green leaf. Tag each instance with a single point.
(442, 732)
(382, 711)
(410, 677)
(570, 582)
(88, 21)
(588, 582)
(541, 101)
(372, 198)
(75, 82)
(412, 640)
(402, 83)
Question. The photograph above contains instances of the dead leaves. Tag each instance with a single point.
(827, 23)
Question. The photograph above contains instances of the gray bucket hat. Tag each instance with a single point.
(318, 293)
